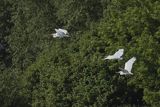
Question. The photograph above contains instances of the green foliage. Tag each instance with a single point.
(77, 14)
(33, 23)
(69, 72)
(152, 97)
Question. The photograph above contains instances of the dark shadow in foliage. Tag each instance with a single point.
(153, 25)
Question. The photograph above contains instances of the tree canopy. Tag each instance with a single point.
(41, 71)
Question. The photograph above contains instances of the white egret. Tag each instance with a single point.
(117, 55)
(60, 33)
(128, 67)
(63, 30)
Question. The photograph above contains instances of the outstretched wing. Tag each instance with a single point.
(119, 53)
(60, 33)
(63, 30)
(129, 64)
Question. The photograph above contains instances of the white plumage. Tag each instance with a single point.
(63, 30)
(60, 33)
(117, 55)
(128, 67)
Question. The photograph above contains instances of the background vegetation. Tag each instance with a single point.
(40, 71)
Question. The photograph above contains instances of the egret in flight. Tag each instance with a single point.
(117, 55)
(60, 33)
(128, 67)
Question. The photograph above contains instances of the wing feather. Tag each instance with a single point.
(63, 30)
(119, 53)
(129, 64)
